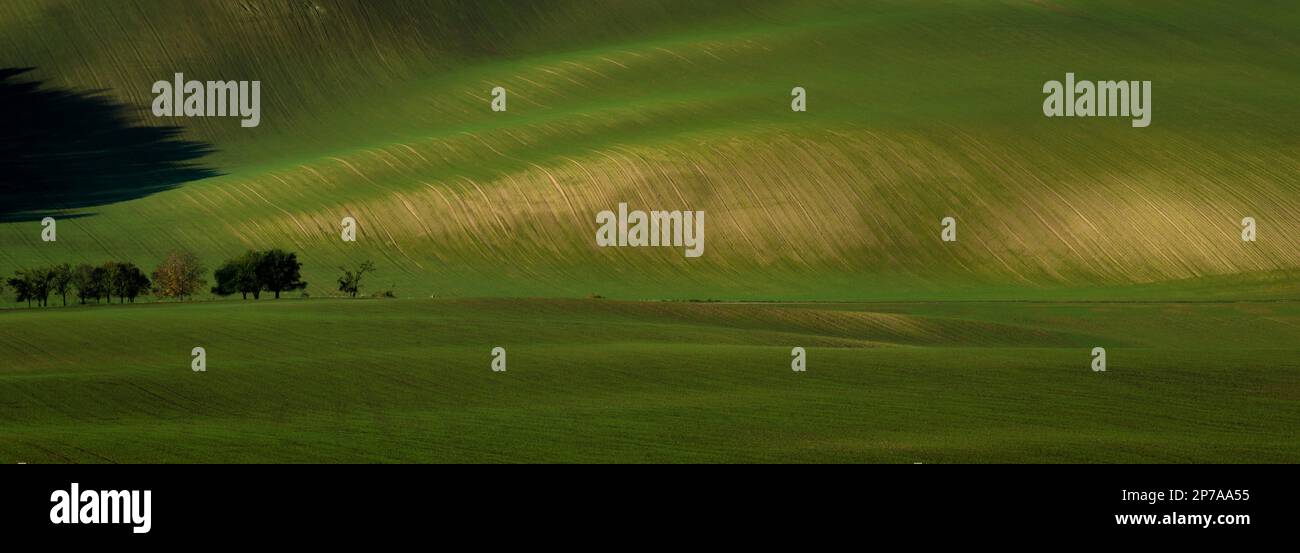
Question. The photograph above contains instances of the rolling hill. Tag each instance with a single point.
(822, 231)
(917, 111)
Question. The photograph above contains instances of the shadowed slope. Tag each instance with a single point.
(63, 149)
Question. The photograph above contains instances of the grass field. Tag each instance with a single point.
(823, 232)
(409, 380)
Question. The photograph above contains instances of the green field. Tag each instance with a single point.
(823, 232)
(364, 381)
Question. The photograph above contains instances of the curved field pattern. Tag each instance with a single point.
(822, 231)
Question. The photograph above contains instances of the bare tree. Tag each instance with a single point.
(350, 281)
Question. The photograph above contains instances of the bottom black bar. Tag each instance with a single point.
(310, 504)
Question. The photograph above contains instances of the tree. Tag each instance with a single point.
(40, 282)
(103, 286)
(22, 287)
(350, 282)
(239, 276)
(115, 281)
(226, 275)
(61, 281)
(179, 276)
(279, 271)
(136, 282)
(125, 280)
(86, 283)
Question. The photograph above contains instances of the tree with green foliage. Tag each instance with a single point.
(115, 279)
(126, 281)
(137, 283)
(22, 287)
(279, 271)
(41, 283)
(103, 287)
(225, 277)
(85, 283)
(61, 281)
(239, 276)
(350, 282)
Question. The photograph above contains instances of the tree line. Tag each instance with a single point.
(85, 282)
(255, 272)
(180, 276)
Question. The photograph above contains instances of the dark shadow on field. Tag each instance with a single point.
(65, 149)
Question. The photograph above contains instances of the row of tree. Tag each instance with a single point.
(179, 276)
(254, 272)
(85, 282)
